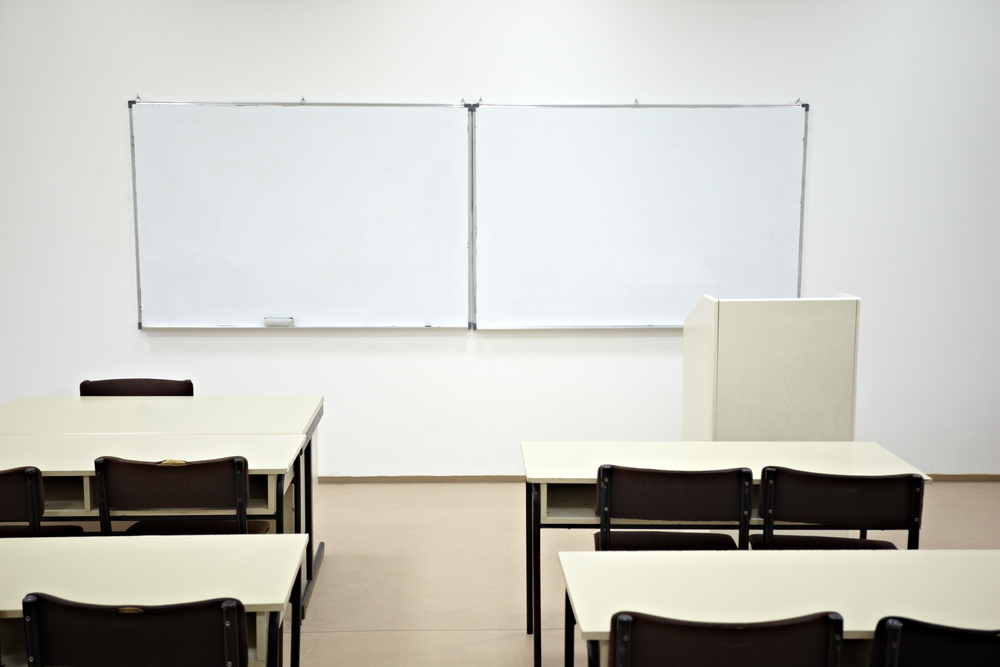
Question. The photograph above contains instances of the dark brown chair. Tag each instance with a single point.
(137, 387)
(125, 486)
(696, 497)
(641, 640)
(212, 633)
(22, 500)
(707, 497)
(891, 502)
(903, 642)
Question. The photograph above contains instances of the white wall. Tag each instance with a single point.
(902, 206)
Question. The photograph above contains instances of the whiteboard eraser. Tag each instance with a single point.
(279, 321)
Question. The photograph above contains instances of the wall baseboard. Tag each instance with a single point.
(406, 479)
(967, 477)
(493, 479)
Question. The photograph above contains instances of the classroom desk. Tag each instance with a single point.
(262, 571)
(185, 415)
(561, 479)
(958, 588)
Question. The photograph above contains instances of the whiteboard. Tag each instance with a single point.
(334, 215)
(626, 216)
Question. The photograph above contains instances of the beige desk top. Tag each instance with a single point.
(258, 570)
(73, 454)
(160, 414)
(960, 588)
(577, 462)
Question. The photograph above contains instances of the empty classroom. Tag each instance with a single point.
(420, 499)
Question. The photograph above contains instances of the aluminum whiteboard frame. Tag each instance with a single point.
(135, 206)
(472, 214)
(805, 134)
(471, 110)
(135, 216)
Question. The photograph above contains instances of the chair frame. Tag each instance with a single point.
(239, 497)
(772, 474)
(30, 606)
(889, 638)
(605, 509)
(605, 480)
(33, 493)
(27, 480)
(623, 621)
(34, 506)
(136, 387)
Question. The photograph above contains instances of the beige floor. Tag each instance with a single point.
(433, 574)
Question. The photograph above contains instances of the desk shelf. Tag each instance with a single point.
(74, 496)
(66, 496)
(576, 504)
(569, 503)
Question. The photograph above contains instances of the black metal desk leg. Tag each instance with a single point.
(528, 537)
(279, 505)
(313, 558)
(307, 506)
(297, 510)
(297, 514)
(536, 566)
(274, 636)
(593, 653)
(296, 619)
(570, 634)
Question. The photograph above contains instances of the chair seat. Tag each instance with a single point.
(195, 527)
(47, 531)
(802, 542)
(666, 540)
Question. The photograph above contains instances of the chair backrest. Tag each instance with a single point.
(668, 495)
(216, 484)
(137, 387)
(863, 502)
(903, 642)
(638, 640)
(211, 633)
(22, 497)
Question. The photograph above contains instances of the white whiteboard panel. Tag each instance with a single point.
(626, 216)
(332, 215)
